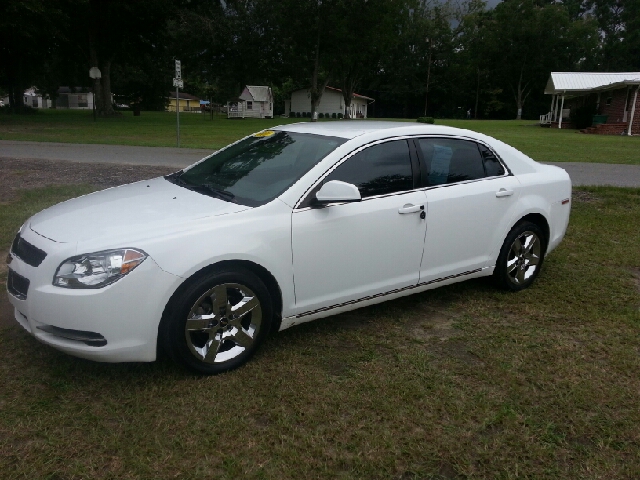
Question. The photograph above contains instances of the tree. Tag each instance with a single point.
(363, 39)
(131, 33)
(527, 40)
(25, 46)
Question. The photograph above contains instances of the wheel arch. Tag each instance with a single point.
(226, 265)
(542, 223)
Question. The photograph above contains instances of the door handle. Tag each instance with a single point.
(410, 208)
(503, 192)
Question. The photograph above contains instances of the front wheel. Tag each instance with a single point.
(521, 257)
(218, 322)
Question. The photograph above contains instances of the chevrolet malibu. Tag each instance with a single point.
(282, 227)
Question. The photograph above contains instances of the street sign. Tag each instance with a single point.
(177, 82)
(178, 69)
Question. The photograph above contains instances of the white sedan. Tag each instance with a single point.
(287, 225)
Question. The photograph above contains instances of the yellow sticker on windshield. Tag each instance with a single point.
(266, 133)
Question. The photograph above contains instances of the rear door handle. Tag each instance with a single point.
(410, 208)
(503, 192)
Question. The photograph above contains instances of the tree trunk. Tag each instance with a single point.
(107, 104)
(426, 95)
(475, 110)
(316, 92)
(521, 96)
(17, 102)
(348, 87)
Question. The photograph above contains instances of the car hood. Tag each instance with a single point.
(130, 211)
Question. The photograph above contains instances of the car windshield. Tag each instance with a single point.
(257, 169)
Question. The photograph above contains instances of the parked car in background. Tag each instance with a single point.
(288, 225)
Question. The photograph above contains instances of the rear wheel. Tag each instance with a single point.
(218, 322)
(521, 257)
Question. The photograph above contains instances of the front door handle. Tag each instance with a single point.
(411, 208)
(503, 192)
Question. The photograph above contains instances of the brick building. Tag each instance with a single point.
(609, 100)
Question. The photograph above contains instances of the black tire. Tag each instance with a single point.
(229, 315)
(521, 257)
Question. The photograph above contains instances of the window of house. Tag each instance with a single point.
(609, 100)
(249, 105)
(378, 170)
(453, 160)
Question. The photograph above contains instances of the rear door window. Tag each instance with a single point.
(452, 160)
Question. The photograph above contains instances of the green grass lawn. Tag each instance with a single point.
(460, 382)
(198, 131)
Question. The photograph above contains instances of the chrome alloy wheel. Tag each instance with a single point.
(524, 257)
(223, 323)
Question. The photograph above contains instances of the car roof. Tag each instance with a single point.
(354, 128)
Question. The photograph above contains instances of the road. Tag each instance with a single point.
(581, 173)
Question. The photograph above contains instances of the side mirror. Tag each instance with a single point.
(336, 191)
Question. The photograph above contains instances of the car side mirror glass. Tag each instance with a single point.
(336, 191)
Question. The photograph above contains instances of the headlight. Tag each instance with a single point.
(97, 270)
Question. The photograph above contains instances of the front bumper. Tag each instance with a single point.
(117, 323)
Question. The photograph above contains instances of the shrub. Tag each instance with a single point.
(308, 114)
(297, 114)
(321, 115)
(430, 120)
(333, 115)
(292, 114)
(340, 115)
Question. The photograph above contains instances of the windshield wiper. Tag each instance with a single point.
(176, 177)
(207, 187)
(215, 192)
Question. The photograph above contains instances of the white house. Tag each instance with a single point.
(331, 102)
(34, 99)
(253, 102)
(74, 98)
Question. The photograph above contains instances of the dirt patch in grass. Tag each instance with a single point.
(636, 273)
(21, 174)
(584, 196)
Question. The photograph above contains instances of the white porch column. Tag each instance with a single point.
(633, 110)
(625, 112)
(561, 108)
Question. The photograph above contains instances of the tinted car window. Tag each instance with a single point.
(378, 170)
(492, 165)
(451, 160)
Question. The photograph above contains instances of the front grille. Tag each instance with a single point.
(27, 252)
(17, 285)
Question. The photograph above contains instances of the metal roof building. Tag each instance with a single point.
(620, 91)
(583, 82)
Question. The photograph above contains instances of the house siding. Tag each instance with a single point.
(331, 102)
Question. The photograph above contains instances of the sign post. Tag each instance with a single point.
(177, 82)
(95, 74)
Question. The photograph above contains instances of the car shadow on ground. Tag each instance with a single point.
(426, 321)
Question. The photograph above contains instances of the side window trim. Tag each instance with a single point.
(300, 204)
